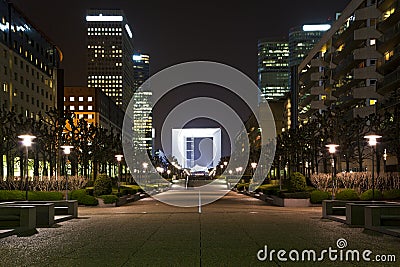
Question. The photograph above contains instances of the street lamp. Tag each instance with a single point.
(384, 160)
(168, 172)
(26, 142)
(119, 159)
(332, 151)
(67, 151)
(372, 142)
(253, 166)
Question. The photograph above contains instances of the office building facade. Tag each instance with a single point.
(94, 106)
(110, 49)
(30, 77)
(142, 108)
(273, 68)
(302, 39)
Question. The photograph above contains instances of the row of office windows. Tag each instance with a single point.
(79, 98)
(79, 108)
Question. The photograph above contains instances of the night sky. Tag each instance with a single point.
(173, 32)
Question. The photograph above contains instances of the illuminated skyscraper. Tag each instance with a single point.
(110, 50)
(142, 123)
(302, 39)
(273, 68)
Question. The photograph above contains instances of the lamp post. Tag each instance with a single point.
(26, 142)
(67, 151)
(168, 172)
(384, 160)
(119, 159)
(332, 151)
(253, 167)
(372, 142)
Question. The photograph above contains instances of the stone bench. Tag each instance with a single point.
(384, 219)
(355, 211)
(63, 209)
(45, 212)
(20, 218)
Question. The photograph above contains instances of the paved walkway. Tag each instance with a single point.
(228, 232)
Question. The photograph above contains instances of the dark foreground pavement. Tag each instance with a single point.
(228, 232)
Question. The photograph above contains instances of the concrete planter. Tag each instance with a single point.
(290, 202)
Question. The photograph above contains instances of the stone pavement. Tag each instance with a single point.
(228, 232)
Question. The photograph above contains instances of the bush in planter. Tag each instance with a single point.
(102, 185)
(367, 195)
(43, 195)
(269, 189)
(317, 196)
(83, 198)
(391, 194)
(109, 199)
(88, 200)
(296, 182)
(296, 195)
(128, 191)
(11, 195)
(347, 194)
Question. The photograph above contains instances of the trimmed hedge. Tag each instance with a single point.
(88, 200)
(347, 194)
(367, 195)
(14, 195)
(296, 195)
(102, 185)
(317, 196)
(109, 199)
(43, 195)
(393, 194)
(83, 198)
(296, 182)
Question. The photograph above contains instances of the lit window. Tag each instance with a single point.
(372, 42)
(90, 107)
(71, 98)
(72, 108)
(372, 102)
(90, 116)
(80, 99)
(90, 99)
(80, 107)
(80, 116)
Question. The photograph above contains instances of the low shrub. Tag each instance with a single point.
(89, 191)
(43, 195)
(242, 186)
(128, 191)
(83, 198)
(102, 185)
(88, 200)
(296, 182)
(347, 194)
(391, 194)
(270, 189)
(296, 195)
(367, 195)
(76, 194)
(15, 195)
(11, 195)
(317, 196)
(109, 199)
